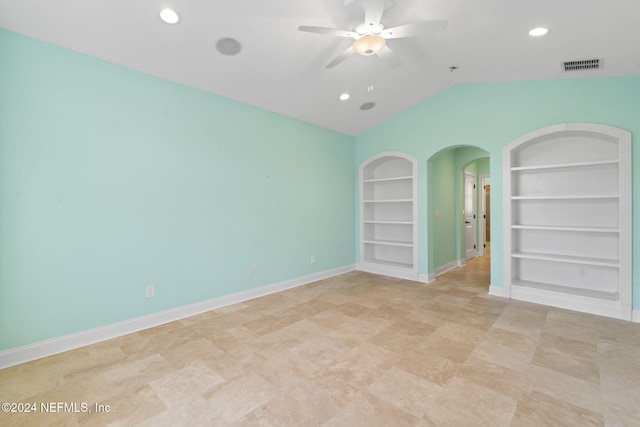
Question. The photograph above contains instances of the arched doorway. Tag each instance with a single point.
(448, 207)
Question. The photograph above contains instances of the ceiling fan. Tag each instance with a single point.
(370, 37)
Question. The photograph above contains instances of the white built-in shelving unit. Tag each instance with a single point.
(567, 218)
(388, 215)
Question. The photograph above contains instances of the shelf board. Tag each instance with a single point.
(373, 221)
(591, 293)
(389, 201)
(565, 165)
(395, 178)
(578, 197)
(597, 262)
(566, 228)
(389, 243)
(390, 263)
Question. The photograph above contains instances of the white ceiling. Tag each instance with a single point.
(283, 70)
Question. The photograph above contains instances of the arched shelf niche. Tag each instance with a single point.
(388, 215)
(567, 218)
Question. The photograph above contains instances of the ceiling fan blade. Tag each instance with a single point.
(373, 12)
(412, 30)
(338, 59)
(388, 56)
(327, 31)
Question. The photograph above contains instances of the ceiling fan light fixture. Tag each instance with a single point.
(369, 28)
(368, 45)
(344, 96)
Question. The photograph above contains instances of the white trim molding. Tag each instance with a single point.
(635, 316)
(496, 291)
(579, 303)
(385, 270)
(27, 353)
(444, 268)
(482, 214)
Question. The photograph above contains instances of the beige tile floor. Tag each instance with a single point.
(353, 350)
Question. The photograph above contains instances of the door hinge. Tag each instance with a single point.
(484, 216)
(484, 245)
(474, 246)
(474, 186)
(474, 216)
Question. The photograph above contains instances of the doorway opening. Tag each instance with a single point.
(455, 195)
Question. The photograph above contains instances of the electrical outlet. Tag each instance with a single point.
(150, 291)
(252, 271)
(313, 259)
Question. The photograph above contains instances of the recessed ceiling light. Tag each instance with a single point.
(540, 31)
(169, 16)
(344, 96)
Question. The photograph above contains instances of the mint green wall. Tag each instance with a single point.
(111, 180)
(490, 116)
(445, 193)
(442, 196)
(472, 168)
(483, 166)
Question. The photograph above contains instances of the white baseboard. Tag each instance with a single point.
(573, 302)
(27, 353)
(424, 278)
(635, 316)
(496, 291)
(386, 270)
(444, 268)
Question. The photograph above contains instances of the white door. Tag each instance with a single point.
(470, 219)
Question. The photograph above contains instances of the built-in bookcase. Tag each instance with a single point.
(567, 216)
(388, 215)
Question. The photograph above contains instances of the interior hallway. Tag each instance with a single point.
(357, 349)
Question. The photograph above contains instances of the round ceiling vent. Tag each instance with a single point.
(228, 46)
(367, 106)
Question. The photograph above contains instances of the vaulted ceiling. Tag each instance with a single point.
(282, 69)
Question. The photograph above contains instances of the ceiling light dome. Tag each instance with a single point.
(368, 45)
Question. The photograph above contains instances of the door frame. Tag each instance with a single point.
(482, 228)
(475, 251)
